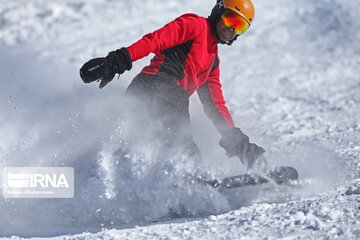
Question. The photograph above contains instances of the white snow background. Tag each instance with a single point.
(292, 83)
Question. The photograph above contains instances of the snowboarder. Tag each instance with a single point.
(186, 61)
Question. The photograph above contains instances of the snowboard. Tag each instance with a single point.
(278, 175)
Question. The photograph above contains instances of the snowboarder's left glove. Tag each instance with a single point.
(236, 143)
(233, 141)
(104, 69)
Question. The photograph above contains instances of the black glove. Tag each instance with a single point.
(104, 69)
(236, 143)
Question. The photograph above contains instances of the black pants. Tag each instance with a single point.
(168, 105)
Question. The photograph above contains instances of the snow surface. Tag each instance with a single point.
(292, 83)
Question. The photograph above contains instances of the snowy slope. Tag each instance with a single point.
(292, 83)
(332, 216)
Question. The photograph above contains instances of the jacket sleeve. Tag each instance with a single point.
(179, 31)
(212, 99)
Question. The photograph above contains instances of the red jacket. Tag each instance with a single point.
(186, 52)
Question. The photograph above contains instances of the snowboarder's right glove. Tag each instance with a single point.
(104, 69)
(236, 143)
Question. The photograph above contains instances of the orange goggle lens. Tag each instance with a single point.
(235, 21)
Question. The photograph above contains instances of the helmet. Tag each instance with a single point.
(244, 8)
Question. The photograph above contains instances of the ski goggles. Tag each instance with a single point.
(235, 21)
